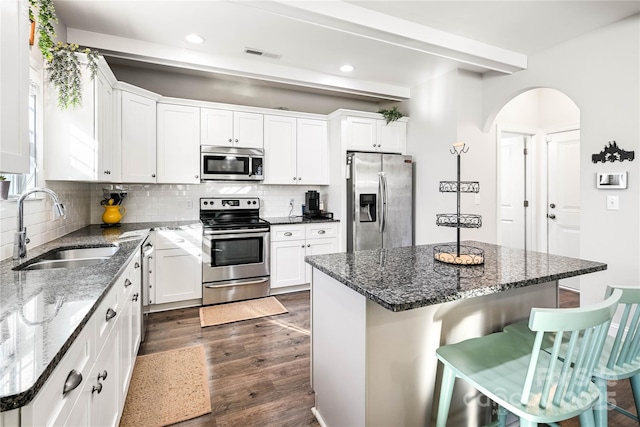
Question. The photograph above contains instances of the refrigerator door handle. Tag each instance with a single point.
(383, 197)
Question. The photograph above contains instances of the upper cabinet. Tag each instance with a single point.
(178, 144)
(14, 87)
(296, 151)
(78, 138)
(369, 134)
(138, 136)
(231, 128)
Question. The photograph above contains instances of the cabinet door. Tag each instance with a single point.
(287, 263)
(105, 403)
(280, 150)
(138, 138)
(178, 144)
(392, 137)
(71, 149)
(248, 131)
(361, 134)
(313, 152)
(108, 146)
(319, 247)
(178, 276)
(14, 87)
(216, 127)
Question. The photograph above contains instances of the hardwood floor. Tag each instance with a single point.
(259, 369)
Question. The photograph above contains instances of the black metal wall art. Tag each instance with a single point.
(611, 153)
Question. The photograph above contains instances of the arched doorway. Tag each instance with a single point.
(537, 135)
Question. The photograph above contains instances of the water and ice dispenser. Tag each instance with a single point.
(368, 207)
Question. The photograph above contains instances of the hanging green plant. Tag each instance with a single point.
(61, 59)
(391, 115)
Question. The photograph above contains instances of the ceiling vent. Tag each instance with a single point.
(258, 52)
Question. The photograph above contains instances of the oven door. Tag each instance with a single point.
(237, 254)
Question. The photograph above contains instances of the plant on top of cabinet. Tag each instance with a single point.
(391, 115)
(61, 59)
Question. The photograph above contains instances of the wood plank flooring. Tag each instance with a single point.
(259, 369)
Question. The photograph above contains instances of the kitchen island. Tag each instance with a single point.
(379, 315)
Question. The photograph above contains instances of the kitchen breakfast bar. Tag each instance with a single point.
(379, 315)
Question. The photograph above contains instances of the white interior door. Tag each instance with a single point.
(512, 191)
(563, 208)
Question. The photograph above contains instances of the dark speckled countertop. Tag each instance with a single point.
(43, 311)
(405, 278)
(296, 220)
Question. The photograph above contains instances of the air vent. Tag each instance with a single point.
(258, 52)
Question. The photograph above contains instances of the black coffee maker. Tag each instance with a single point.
(311, 203)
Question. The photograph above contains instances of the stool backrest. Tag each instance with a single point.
(626, 345)
(587, 328)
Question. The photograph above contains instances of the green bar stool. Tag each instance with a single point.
(620, 358)
(527, 381)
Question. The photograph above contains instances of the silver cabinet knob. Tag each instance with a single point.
(102, 375)
(135, 297)
(299, 178)
(136, 265)
(111, 313)
(551, 216)
(196, 176)
(236, 139)
(552, 205)
(230, 140)
(127, 283)
(308, 245)
(288, 233)
(153, 175)
(379, 145)
(97, 387)
(374, 145)
(72, 382)
(321, 231)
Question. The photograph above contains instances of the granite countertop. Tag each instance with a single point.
(401, 279)
(296, 220)
(43, 311)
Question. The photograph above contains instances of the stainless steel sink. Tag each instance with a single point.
(71, 257)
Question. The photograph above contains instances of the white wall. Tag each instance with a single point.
(600, 72)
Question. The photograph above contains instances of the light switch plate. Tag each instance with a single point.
(613, 203)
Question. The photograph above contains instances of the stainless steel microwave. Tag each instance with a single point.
(235, 164)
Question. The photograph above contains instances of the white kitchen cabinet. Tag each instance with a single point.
(14, 87)
(369, 134)
(178, 268)
(291, 243)
(97, 358)
(231, 128)
(296, 151)
(178, 144)
(77, 138)
(138, 137)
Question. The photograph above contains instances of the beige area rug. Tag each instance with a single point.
(167, 387)
(243, 310)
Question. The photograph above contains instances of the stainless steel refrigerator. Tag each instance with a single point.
(379, 201)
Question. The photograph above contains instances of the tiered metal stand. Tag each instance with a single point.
(456, 253)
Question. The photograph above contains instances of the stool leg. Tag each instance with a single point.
(635, 390)
(502, 416)
(600, 409)
(446, 391)
(527, 423)
(586, 418)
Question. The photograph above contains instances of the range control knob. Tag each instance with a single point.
(248, 202)
(206, 203)
(254, 202)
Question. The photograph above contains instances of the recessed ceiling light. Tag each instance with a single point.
(347, 68)
(194, 38)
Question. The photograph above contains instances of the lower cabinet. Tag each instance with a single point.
(89, 385)
(178, 269)
(291, 243)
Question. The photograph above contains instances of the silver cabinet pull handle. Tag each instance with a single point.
(102, 376)
(73, 380)
(97, 388)
(321, 231)
(288, 233)
(127, 283)
(111, 313)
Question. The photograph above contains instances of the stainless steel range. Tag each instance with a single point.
(235, 250)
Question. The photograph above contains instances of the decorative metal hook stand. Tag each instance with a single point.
(459, 254)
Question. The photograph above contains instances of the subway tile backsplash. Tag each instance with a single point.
(180, 202)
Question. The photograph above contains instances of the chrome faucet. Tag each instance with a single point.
(20, 238)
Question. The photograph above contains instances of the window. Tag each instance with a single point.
(23, 182)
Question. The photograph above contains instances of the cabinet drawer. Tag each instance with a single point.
(51, 407)
(176, 239)
(322, 230)
(281, 233)
(107, 313)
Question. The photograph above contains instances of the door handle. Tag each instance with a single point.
(551, 216)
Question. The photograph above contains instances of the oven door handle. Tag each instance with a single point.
(219, 232)
(234, 283)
